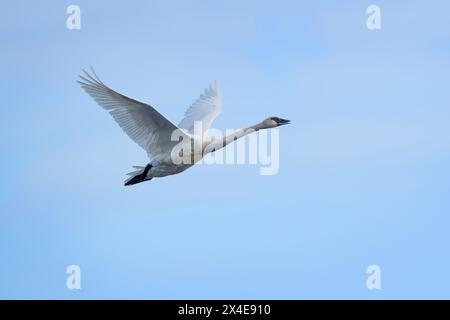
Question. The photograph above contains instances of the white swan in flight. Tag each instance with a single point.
(153, 132)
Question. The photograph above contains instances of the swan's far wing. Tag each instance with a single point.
(205, 109)
(140, 121)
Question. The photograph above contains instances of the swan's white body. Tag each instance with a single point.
(153, 132)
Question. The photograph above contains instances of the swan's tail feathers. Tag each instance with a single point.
(138, 170)
(140, 175)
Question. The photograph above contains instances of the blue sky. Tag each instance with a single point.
(364, 175)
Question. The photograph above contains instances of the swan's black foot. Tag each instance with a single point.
(140, 177)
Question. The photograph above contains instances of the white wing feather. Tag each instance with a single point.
(140, 121)
(205, 109)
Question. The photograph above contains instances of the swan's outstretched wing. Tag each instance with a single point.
(206, 109)
(140, 121)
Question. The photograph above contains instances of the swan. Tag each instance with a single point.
(153, 132)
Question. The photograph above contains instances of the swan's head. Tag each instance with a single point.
(273, 122)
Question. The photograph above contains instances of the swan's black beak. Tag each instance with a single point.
(281, 122)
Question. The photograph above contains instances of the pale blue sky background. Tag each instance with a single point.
(364, 172)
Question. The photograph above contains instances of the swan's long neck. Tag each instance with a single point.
(234, 136)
